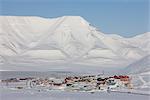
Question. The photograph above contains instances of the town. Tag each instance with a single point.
(85, 83)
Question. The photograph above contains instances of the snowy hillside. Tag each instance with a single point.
(140, 72)
(142, 41)
(140, 66)
(33, 41)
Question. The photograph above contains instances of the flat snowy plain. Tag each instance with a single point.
(63, 95)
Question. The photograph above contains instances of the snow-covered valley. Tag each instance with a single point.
(70, 44)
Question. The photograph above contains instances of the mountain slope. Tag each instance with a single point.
(68, 39)
(141, 41)
(140, 66)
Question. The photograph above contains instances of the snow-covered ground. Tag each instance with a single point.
(140, 91)
(59, 95)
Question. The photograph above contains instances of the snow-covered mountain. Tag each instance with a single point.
(140, 66)
(141, 41)
(68, 39)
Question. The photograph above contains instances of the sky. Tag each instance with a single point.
(124, 17)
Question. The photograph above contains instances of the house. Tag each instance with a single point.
(125, 80)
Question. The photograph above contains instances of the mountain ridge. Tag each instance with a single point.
(67, 39)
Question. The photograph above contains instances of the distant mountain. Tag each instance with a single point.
(34, 40)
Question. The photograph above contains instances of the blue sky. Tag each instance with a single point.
(124, 17)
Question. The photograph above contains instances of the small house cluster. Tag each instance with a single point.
(74, 83)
